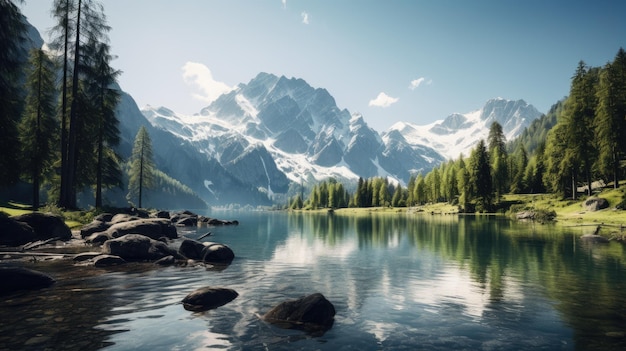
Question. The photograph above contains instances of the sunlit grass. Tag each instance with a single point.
(572, 211)
(15, 209)
(73, 219)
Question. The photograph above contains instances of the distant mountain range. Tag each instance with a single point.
(260, 142)
(458, 133)
(275, 131)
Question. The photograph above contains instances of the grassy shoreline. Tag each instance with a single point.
(568, 212)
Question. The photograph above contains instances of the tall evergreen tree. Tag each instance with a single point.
(518, 165)
(79, 21)
(496, 139)
(39, 126)
(560, 172)
(12, 36)
(499, 159)
(100, 89)
(610, 126)
(463, 182)
(141, 174)
(578, 123)
(419, 194)
(480, 176)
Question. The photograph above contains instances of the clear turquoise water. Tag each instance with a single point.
(398, 282)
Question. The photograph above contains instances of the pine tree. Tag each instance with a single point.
(101, 78)
(610, 128)
(419, 195)
(141, 174)
(480, 176)
(499, 159)
(12, 35)
(578, 123)
(518, 166)
(78, 22)
(384, 197)
(397, 199)
(38, 126)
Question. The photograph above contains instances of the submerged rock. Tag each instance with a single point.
(17, 278)
(313, 313)
(208, 298)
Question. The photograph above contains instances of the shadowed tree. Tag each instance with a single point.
(38, 128)
(141, 174)
(12, 35)
(78, 22)
(101, 91)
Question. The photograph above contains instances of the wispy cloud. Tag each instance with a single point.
(284, 3)
(305, 17)
(200, 77)
(383, 100)
(419, 81)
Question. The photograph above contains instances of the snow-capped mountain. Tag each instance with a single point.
(275, 131)
(459, 133)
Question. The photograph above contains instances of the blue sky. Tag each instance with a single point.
(413, 61)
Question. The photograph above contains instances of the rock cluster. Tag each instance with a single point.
(134, 237)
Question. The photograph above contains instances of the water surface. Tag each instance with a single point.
(397, 281)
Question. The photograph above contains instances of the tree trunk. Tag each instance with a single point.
(141, 175)
(64, 161)
(70, 201)
(615, 168)
(574, 185)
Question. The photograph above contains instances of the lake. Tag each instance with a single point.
(397, 281)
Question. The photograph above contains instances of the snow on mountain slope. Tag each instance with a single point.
(274, 131)
(459, 133)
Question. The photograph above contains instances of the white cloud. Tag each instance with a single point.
(305, 17)
(417, 82)
(200, 77)
(383, 100)
(284, 4)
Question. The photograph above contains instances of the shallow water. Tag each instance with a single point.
(398, 282)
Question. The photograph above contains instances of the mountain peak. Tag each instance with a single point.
(459, 132)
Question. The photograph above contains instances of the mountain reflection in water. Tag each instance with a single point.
(398, 282)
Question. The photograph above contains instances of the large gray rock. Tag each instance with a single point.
(14, 233)
(206, 251)
(16, 278)
(595, 204)
(95, 226)
(154, 228)
(104, 217)
(208, 298)
(122, 217)
(46, 225)
(137, 247)
(313, 313)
